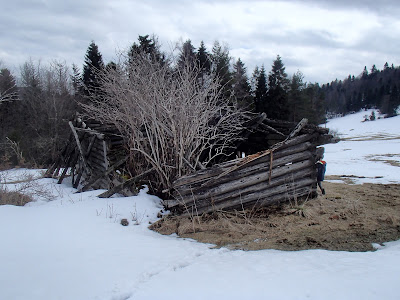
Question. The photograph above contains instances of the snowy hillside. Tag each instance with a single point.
(74, 248)
(368, 149)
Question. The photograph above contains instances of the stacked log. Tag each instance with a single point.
(279, 174)
(92, 149)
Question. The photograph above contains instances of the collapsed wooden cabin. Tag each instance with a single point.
(284, 172)
(93, 154)
(279, 167)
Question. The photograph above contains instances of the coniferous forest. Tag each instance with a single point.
(37, 103)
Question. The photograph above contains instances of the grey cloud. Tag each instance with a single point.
(64, 29)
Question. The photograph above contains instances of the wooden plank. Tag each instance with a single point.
(262, 168)
(78, 143)
(91, 143)
(279, 176)
(259, 197)
(106, 164)
(124, 185)
(91, 132)
(97, 156)
(217, 170)
(110, 170)
(262, 185)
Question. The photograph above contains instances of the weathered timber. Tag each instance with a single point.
(279, 175)
(269, 128)
(246, 174)
(78, 144)
(260, 198)
(257, 184)
(110, 170)
(217, 170)
(72, 159)
(92, 141)
(284, 171)
(97, 157)
(124, 185)
(91, 132)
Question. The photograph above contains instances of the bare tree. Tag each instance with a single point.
(47, 103)
(174, 122)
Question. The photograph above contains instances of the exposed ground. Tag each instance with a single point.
(349, 217)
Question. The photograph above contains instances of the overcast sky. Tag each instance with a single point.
(325, 39)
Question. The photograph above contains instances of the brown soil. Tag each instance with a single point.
(348, 217)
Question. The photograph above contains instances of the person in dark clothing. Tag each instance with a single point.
(321, 168)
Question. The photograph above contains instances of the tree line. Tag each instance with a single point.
(377, 89)
(36, 105)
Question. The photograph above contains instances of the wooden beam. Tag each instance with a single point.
(110, 170)
(126, 184)
(281, 193)
(78, 143)
(279, 175)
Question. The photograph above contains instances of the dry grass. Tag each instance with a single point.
(24, 190)
(349, 217)
(13, 198)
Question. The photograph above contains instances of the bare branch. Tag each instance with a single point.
(174, 121)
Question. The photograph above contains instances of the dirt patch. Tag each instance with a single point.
(348, 218)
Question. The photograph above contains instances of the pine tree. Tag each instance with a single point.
(260, 96)
(203, 58)
(394, 102)
(374, 69)
(386, 66)
(253, 81)
(364, 73)
(8, 88)
(203, 62)
(241, 86)
(147, 46)
(277, 98)
(9, 112)
(298, 103)
(220, 65)
(93, 65)
(76, 80)
(187, 56)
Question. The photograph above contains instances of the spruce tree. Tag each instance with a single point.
(364, 74)
(277, 97)
(8, 88)
(298, 103)
(203, 58)
(203, 62)
(187, 56)
(260, 95)
(394, 102)
(147, 46)
(9, 113)
(76, 80)
(241, 86)
(93, 65)
(220, 65)
(385, 66)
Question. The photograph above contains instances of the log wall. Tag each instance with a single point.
(271, 176)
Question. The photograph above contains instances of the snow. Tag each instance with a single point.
(368, 149)
(73, 247)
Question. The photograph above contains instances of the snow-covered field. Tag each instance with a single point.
(368, 149)
(74, 247)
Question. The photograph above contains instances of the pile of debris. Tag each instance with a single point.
(279, 166)
(284, 172)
